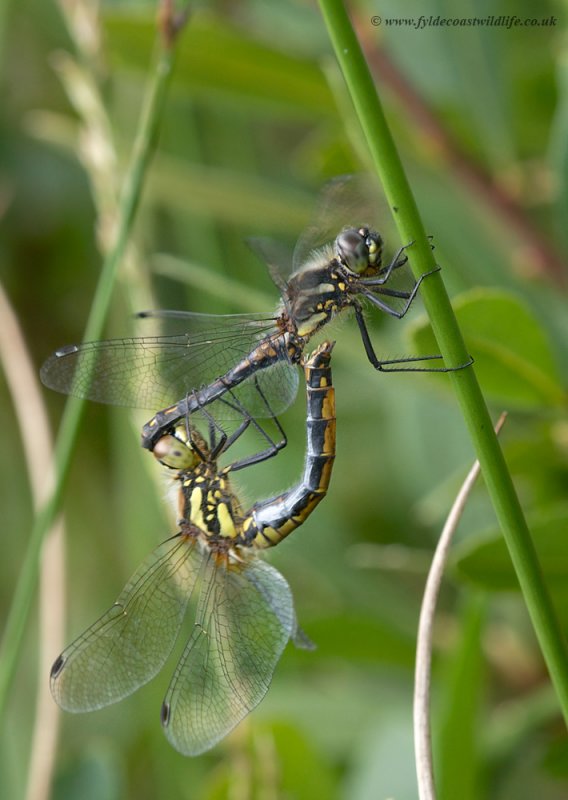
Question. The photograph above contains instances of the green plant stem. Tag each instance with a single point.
(143, 150)
(450, 342)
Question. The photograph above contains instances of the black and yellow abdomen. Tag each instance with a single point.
(272, 520)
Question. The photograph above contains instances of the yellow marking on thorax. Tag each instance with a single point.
(226, 523)
(196, 515)
(324, 288)
(310, 325)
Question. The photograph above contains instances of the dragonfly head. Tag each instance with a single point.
(173, 452)
(359, 249)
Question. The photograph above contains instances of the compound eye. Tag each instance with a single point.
(352, 250)
(374, 248)
(173, 453)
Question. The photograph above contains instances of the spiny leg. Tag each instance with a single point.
(392, 293)
(387, 365)
(225, 441)
(273, 448)
(395, 263)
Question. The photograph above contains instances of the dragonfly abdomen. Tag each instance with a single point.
(272, 520)
(274, 349)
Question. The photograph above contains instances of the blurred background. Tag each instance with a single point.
(257, 120)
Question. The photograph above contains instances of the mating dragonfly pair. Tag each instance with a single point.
(225, 368)
(244, 613)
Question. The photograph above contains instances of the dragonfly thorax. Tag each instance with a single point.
(328, 282)
(205, 498)
(208, 502)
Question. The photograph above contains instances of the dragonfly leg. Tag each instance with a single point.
(215, 447)
(226, 441)
(395, 263)
(409, 296)
(398, 364)
(273, 446)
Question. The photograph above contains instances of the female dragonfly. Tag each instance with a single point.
(182, 373)
(244, 612)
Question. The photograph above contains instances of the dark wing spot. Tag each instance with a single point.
(58, 665)
(67, 350)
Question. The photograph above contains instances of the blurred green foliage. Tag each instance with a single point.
(257, 121)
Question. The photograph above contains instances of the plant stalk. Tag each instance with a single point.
(143, 151)
(476, 415)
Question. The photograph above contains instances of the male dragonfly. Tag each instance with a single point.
(182, 373)
(244, 612)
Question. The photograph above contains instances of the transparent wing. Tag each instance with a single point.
(301, 639)
(154, 372)
(346, 201)
(276, 256)
(278, 384)
(174, 322)
(244, 619)
(129, 644)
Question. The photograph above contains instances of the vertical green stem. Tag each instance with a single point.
(450, 342)
(142, 153)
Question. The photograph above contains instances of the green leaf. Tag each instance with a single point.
(513, 358)
(484, 558)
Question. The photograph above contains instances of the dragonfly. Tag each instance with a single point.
(337, 265)
(243, 607)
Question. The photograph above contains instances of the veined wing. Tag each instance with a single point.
(276, 256)
(346, 201)
(244, 619)
(155, 371)
(129, 644)
(267, 392)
